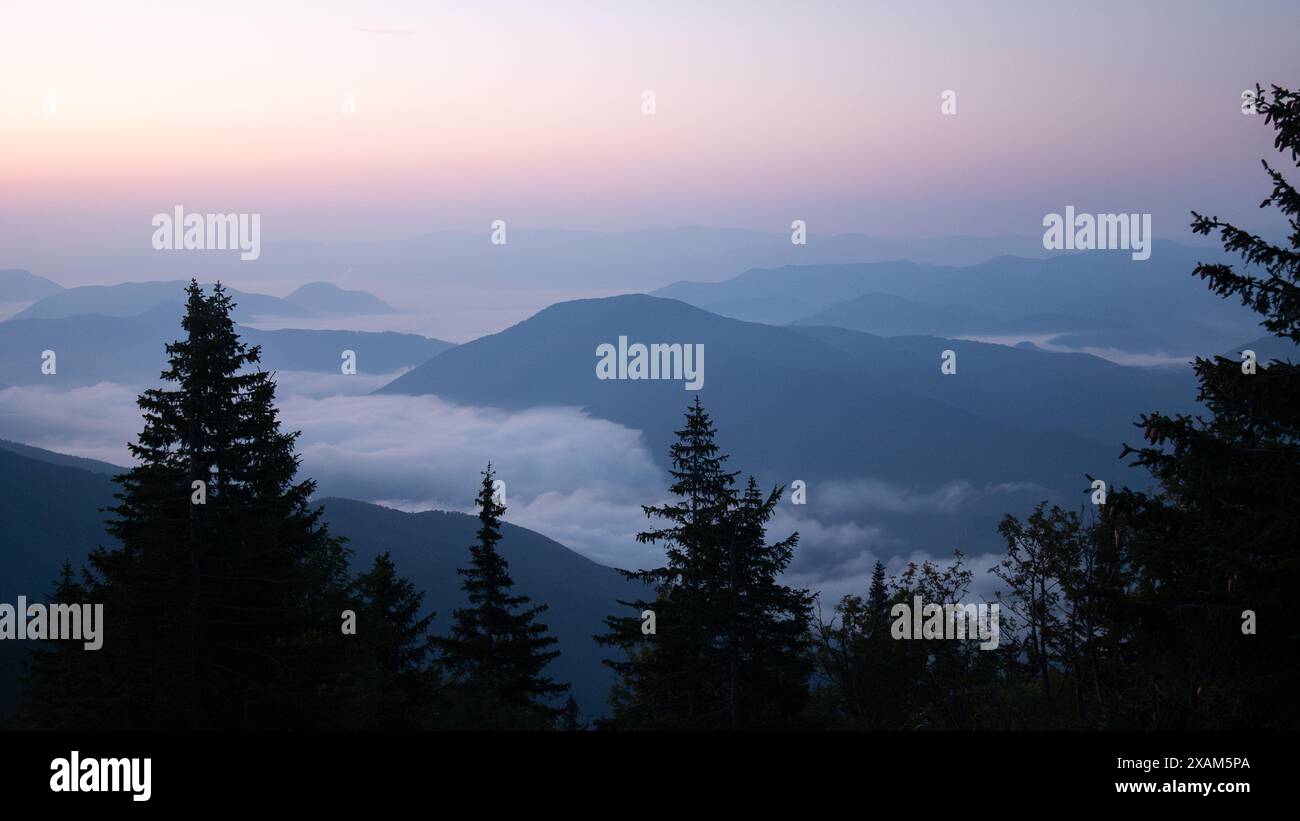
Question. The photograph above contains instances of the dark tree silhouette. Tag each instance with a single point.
(497, 650)
(393, 684)
(221, 614)
(1220, 536)
(732, 647)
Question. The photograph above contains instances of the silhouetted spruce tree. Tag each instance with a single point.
(769, 625)
(393, 684)
(1220, 537)
(223, 614)
(732, 647)
(674, 679)
(498, 649)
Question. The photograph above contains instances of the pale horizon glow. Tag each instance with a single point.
(470, 112)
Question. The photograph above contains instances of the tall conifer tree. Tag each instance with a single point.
(498, 650)
(223, 598)
(732, 646)
(1220, 537)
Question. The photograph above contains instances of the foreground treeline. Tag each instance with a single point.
(231, 606)
(228, 601)
(1173, 609)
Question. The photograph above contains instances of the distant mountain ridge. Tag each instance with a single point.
(316, 299)
(128, 299)
(1101, 296)
(571, 259)
(94, 348)
(887, 315)
(55, 458)
(549, 359)
(1267, 348)
(830, 405)
(326, 299)
(19, 285)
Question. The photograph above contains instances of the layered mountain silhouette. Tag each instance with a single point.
(1267, 348)
(837, 407)
(134, 298)
(52, 513)
(815, 403)
(1099, 299)
(571, 259)
(326, 299)
(888, 315)
(53, 458)
(1026, 389)
(18, 285)
(834, 407)
(94, 348)
(316, 299)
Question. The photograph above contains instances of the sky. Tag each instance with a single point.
(464, 113)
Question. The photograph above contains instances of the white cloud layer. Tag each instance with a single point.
(576, 479)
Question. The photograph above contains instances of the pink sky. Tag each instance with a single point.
(531, 112)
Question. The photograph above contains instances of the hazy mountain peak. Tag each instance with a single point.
(327, 299)
(21, 285)
(127, 299)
